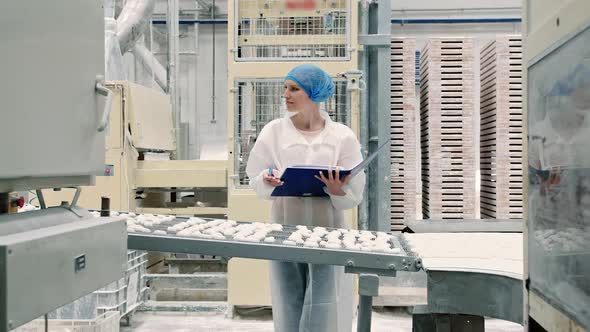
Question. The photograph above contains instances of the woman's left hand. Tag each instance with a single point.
(333, 182)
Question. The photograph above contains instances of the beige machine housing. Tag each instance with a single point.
(141, 122)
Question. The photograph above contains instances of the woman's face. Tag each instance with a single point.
(295, 98)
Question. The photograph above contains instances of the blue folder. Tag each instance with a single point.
(300, 181)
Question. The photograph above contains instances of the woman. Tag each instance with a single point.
(308, 297)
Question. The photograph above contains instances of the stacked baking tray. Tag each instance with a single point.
(403, 131)
(447, 129)
(501, 128)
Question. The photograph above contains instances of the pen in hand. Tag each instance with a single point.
(271, 179)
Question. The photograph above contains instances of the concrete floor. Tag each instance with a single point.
(384, 320)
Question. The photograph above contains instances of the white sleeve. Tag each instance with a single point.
(260, 159)
(350, 156)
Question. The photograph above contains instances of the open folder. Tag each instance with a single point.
(300, 180)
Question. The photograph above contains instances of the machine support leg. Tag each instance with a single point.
(368, 287)
(363, 323)
(105, 207)
(41, 199)
(4, 202)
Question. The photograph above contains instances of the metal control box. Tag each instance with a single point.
(60, 259)
(49, 91)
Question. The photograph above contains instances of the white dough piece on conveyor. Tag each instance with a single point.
(331, 245)
(266, 233)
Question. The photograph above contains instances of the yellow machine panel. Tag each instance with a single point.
(248, 282)
(114, 140)
(150, 118)
(181, 173)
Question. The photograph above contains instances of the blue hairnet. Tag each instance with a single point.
(318, 85)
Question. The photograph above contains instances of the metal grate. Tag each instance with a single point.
(259, 101)
(267, 30)
(369, 253)
(394, 240)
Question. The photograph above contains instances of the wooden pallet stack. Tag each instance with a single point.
(447, 129)
(501, 129)
(403, 132)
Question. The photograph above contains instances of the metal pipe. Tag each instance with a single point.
(109, 9)
(453, 10)
(196, 27)
(173, 34)
(76, 196)
(201, 21)
(456, 20)
(379, 173)
(363, 209)
(149, 61)
(131, 24)
(179, 53)
(133, 21)
(363, 321)
(196, 149)
(41, 199)
(393, 20)
(213, 97)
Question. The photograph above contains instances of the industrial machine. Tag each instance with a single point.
(470, 274)
(55, 255)
(221, 238)
(474, 269)
(139, 173)
(557, 80)
(55, 112)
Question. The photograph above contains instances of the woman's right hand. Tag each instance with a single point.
(272, 179)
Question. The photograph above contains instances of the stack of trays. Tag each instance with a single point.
(447, 129)
(501, 129)
(403, 132)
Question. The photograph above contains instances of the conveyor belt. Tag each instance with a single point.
(469, 273)
(472, 273)
(492, 253)
(355, 260)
